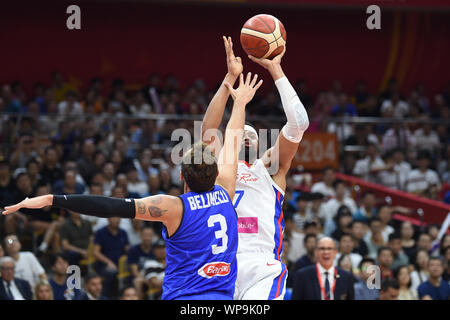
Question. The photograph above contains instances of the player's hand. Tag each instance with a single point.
(30, 203)
(234, 64)
(266, 63)
(246, 90)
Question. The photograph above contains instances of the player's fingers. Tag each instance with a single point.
(252, 84)
(247, 80)
(239, 59)
(225, 43)
(9, 209)
(283, 52)
(241, 79)
(230, 46)
(258, 84)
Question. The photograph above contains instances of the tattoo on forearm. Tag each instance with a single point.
(155, 212)
(140, 207)
(157, 200)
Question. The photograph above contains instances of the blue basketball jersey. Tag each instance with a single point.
(201, 254)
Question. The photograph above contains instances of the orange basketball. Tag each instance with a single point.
(263, 36)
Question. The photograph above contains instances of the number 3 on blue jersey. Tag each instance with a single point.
(238, 196)
(220, 234)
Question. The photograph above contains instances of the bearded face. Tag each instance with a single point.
(249, 147)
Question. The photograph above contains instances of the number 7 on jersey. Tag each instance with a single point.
(238, 197)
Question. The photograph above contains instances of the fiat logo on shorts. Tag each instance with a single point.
(212, 269)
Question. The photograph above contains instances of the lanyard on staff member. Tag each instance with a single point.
(322, 287)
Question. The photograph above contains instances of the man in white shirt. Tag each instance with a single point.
(401, 167)
(346, 246)
(27, 266)
(389, 177)
(330, 208)
(325, 186)
(135, 186)
(401, 108)
(385, 215)
(368, 167)
(70, 106)
(423, 181)
(425, 138)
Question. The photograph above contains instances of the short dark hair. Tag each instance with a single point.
(364, 260)
(381, 249)
(435, 258)
(345, 234)
(55, 257)
(374, 219)
(30, 161)
(200, 177)
(91, 276)
(389, 283)
(327, 168)
(307, 236)
(357, 221)
(309, 224)
(394, 236)
(122, 292)
(368, 192)
(337, 182)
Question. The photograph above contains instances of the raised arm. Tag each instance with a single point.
(292, 132)
(228, 156)
(216, 108)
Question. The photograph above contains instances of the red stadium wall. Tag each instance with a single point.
(434, 212)
(132, 40)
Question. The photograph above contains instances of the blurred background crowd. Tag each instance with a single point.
(113, 141)
(92, 111)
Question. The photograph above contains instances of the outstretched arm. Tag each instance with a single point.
(291, 134)
(161, 208)
(216, 108)
(228, 156)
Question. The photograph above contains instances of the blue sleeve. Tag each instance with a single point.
(133, 256)
(421, 290)
(125, 235)
(98, 238)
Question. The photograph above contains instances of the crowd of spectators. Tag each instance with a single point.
(99, 140)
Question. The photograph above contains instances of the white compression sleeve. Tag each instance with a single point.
(297, 117)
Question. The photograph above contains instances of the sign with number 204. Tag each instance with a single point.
(316, 151)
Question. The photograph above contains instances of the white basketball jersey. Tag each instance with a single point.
(258, 202)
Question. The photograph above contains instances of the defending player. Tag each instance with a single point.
(200, 226)
(259, 196)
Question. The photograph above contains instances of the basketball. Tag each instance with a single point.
(263, 36)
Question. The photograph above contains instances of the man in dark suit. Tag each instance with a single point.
(12, 288)
(323, 281)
